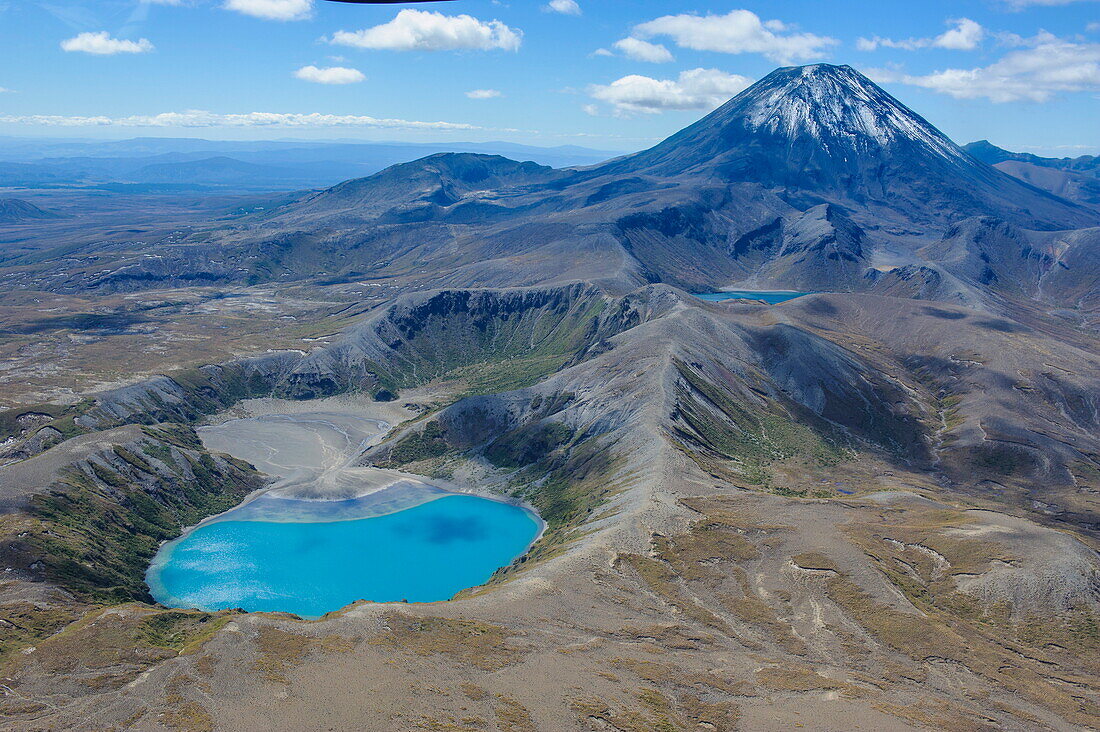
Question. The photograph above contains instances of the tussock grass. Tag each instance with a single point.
(278, 651)
(471, 643)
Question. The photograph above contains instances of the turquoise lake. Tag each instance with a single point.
(773, 297)
(425, 553)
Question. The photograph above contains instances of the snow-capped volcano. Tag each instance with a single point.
(840, 107)
(828, 133)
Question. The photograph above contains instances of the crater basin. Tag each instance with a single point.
(329, 532)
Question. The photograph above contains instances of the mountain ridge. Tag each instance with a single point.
(1075, 179)
(716, 205)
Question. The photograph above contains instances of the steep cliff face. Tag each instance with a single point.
(513, 336)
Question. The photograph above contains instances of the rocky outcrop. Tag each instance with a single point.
(40, 441)
(821, 249)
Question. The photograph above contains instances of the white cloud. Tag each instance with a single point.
(695, 89)
(483, 94)
(565, 7)
(273, 9)
(639, 50)
(602, 52)
(966, 35)
(198, 119)
(330, 75)
(424, 30)
(739, 31)
(4, 90)
(1050, 67)
(1093, 27)
(101, 44)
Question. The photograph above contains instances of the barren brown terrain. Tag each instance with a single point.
(871, 507)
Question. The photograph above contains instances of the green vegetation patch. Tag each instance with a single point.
(496, 377)
(528, 444)
(428, 443)
(1002, 459)
(956, 626)
(576, 482)
(665, 583)
(467, 642)
(97, 533)
(106, 649)
(278, 650)
(653, 710)
(181, 631)
(702, 570)
(24, 623)
(753, 439)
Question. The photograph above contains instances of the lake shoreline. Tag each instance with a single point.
(315, 487)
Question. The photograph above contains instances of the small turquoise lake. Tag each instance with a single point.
(773, 297)
(424, 553)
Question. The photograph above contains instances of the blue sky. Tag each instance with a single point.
(609, 74)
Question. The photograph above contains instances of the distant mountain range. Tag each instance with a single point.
(990, 154)
(1077, 179)
(814, 178)
(168, 164)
